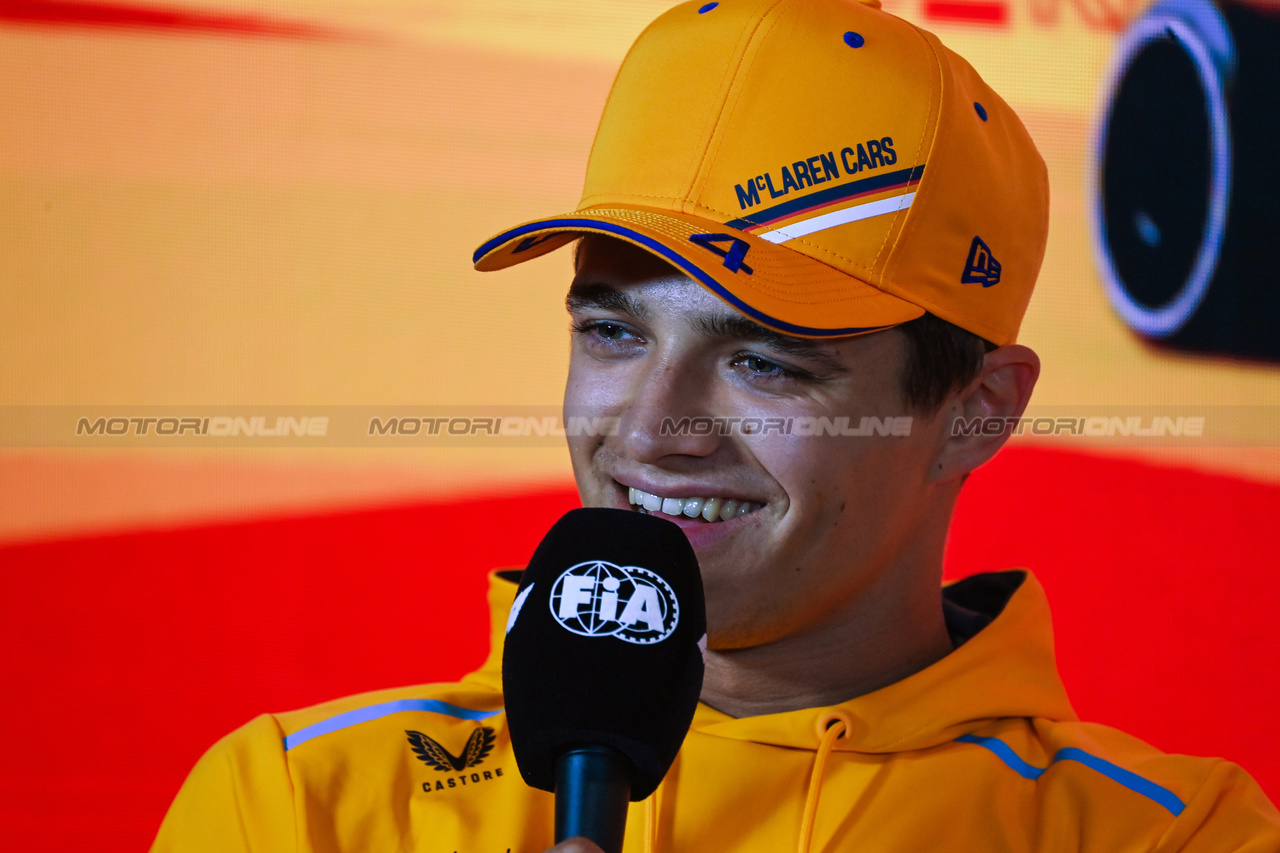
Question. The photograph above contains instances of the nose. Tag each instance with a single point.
(667, 413)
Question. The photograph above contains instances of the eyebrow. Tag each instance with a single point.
(737, 327)
(602, 297)
(728, 325)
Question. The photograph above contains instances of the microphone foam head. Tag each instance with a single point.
(604, 645)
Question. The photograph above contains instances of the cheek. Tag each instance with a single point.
(815, 473)
(589, 393)
(591, 389)
(842, 492)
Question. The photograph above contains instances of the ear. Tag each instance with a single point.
(998, 394)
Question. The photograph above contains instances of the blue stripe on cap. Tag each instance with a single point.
(678, 260)
(1160, 795)
(875, 183)
(374, 712)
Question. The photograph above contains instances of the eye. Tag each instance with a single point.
(604, 337)
(609, 331)
(756, 364)
(760, 368)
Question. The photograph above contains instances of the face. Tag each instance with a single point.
(803, 525)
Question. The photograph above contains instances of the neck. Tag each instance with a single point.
(891, 630)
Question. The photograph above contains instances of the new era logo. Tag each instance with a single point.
(981, 267)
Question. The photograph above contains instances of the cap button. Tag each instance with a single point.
(874, 4)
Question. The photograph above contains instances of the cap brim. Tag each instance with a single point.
(776, 286)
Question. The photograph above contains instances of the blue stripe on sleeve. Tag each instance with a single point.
(374, 712)
(1132, 781)
(1006, 754)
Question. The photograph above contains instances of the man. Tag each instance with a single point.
(808, 236)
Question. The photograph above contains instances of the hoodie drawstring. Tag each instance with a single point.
(833, 727)
(651, 806)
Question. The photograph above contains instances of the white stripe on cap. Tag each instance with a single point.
(824, 221)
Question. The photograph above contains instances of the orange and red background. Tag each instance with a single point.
(217, 206)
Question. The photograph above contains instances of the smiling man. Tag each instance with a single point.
(807, 239)
(809, 544)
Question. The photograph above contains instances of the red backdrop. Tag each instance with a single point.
(126, 656)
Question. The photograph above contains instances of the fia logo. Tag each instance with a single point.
(599, 599)
(981, 267)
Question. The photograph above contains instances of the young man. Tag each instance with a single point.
(809, 234)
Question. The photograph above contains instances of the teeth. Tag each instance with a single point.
(711, 509)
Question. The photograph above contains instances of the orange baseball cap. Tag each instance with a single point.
(824, 167)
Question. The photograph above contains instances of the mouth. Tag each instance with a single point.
(710, 510)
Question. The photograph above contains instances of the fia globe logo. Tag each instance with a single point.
(600, 599)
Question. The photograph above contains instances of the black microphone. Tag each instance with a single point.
(602, 665)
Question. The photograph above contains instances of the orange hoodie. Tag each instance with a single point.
(980, 751)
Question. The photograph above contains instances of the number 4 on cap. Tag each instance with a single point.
(734, 256)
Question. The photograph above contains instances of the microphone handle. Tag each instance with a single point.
(593, 788)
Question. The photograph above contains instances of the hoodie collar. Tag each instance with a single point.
(1003, 667)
